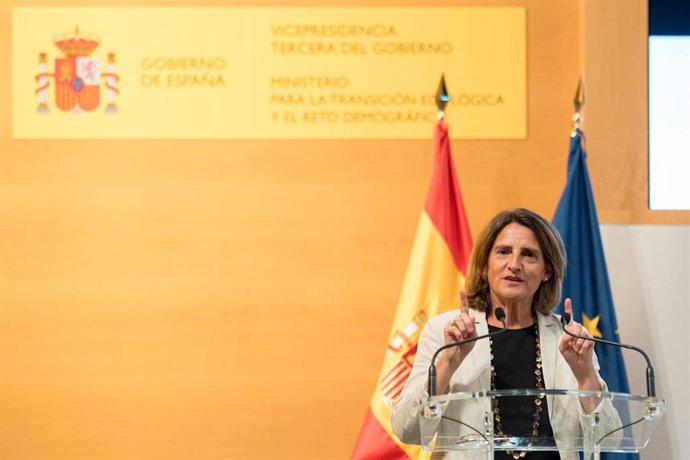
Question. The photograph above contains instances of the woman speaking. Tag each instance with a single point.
(518, 265)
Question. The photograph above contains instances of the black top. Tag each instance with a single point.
(515, 354)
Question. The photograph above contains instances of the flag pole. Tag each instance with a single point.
(442, 98)
(578, 103)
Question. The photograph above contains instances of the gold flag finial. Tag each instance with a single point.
(578, 103)
(579, 100)
(442, 98)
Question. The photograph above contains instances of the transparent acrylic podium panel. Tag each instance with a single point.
(465, 422)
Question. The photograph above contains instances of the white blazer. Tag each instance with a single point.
(565, 414)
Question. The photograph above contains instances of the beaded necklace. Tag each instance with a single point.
(498, 428)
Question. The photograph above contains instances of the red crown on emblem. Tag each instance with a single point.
(74, 44)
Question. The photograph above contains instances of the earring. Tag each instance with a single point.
(546, 279)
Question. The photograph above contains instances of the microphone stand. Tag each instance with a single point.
(500, 315)
(651, 389)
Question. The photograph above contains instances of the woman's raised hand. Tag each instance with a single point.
(578, 352)
(460, 328)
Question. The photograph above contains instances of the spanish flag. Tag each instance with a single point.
(435, 274)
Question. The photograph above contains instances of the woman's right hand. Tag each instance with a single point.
(461, 328)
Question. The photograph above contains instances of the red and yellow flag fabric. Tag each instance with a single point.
(435, 274)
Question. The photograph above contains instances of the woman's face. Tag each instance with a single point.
(516, 266)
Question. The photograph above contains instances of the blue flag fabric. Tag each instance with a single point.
(586, 281)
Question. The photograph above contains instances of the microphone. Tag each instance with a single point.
(500, 315)
(651, 390)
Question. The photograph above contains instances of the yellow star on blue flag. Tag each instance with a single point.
(592, 326)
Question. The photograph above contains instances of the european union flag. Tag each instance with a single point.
(586, 280)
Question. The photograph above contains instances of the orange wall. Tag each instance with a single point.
(614, 44)
(232, 299)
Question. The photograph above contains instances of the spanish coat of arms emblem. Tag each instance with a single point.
(78, 76)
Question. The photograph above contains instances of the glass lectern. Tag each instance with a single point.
(465, 422)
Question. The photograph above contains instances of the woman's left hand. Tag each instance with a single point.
(578, 353)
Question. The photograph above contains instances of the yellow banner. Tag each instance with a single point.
(266, 73)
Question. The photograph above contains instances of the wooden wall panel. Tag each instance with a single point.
(231, 299)
(615, 68)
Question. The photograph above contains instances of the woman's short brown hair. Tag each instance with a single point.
(549, 293)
